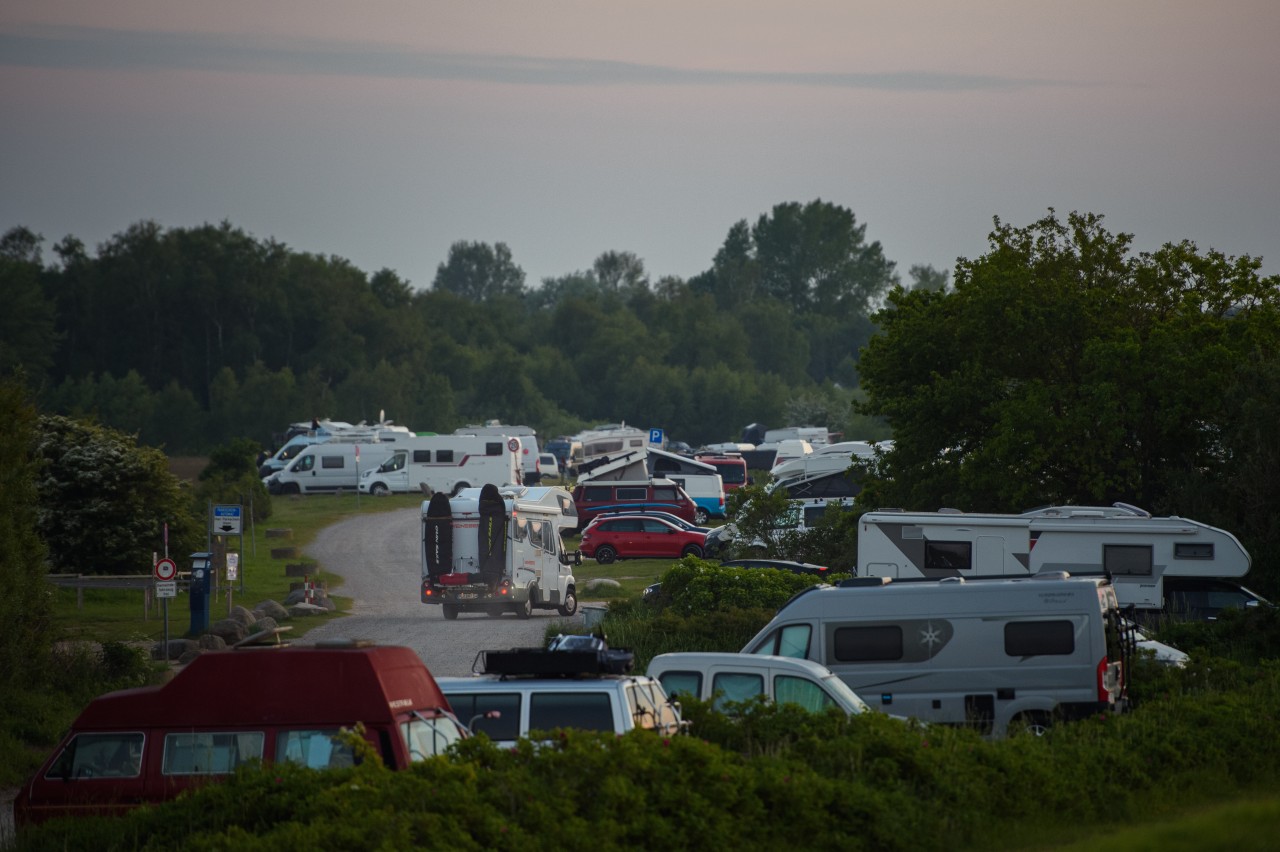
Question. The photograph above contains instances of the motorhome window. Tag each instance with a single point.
(834, 485)
(470, 708)
(1193, 550)
(304, 464)
(880, 643)
(520, 529)
(318, 749)
(422, 457)
(797, 690)
(948, 555)
(690, 683)
(114, 755)
(444, 456)
(493, 448)
(535, 533)
(735, 687)
(637, 442)
(789, 641)
(1039, 638)
(602, 447)
(429, 736)
(333, 462)
(210, 753)
(665, 492)
(597, 494)
(1127, 559)
(588, 711)
(632, 493)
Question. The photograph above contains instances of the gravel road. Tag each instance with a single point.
(379, 558)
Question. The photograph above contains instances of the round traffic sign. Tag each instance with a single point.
(166, 569)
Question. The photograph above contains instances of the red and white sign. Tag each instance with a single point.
(166, 569)
(513, 445)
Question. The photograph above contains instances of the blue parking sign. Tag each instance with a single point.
(655, 436)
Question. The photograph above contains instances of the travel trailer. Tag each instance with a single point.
(448, 463)
(328, 467)
(229, 708)
(528, 450)
(992, 654)
(1137, 551)
(495, 551)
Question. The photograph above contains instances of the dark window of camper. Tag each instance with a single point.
(468, 705)
(210, 753)
(632, 493)
(590, 711)
(948, 555)
(1127, 559)
(493, 449)
(1193, 550)
(597, 493)
(114, 755)
(1038, 638)
(422, 457)
(444, 456)
(690, 683)
(333, 462)
(835, 485)
(666, 493)
(666, 466)
(868, 644)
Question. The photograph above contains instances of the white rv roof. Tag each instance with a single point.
(952, 596)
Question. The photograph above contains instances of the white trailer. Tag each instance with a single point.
(494, 551)
(527, 437)
(1121, 541)
(446, 463)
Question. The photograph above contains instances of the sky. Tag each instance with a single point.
(385, 131)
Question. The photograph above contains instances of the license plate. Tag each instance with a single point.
(465, 596)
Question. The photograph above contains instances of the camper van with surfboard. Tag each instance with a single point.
(492, 551)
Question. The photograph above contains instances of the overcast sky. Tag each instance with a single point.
(383, 131)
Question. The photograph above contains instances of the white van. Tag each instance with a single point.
(328, 467)
(725, 678)
(984, 653)
(446, 463)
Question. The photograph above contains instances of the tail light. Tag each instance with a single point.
(1104, 694)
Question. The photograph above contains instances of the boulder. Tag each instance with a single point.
(176, 648)
(271, 609)
(210, 642)
(264, 624)
(230, 630)
(302, 610)
(243, 615)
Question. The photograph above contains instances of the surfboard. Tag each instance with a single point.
(493, 534)
(437, 536)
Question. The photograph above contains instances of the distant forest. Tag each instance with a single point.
(191, 337)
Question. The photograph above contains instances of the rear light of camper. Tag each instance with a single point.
(1104, 693)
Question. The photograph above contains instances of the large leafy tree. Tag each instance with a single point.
(479, 271)
(27, 336)
(103, 501)
(1064, 369)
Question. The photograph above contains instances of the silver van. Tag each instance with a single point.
(725, 678)
(991, 654)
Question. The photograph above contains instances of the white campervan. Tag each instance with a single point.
(329, 466)
(726, 678)
(527, 452)
(985, 653)
(447, 463)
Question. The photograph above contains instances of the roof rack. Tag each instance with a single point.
(564, 656)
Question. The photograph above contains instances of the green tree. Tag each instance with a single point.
(25, 600)
(103, 501)
(28, 336)
(1061, 369)
(479, 272)
(232, 477)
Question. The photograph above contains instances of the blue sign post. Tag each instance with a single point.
(655, 437)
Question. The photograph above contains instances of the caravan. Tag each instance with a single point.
(991, 654)
(527, 451)
(1137, 551)
(447, 463)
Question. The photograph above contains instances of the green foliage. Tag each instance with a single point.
(697, 586)
(103, 500)
(232, 477)
(24, 596)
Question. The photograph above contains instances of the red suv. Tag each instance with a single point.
(634, 537)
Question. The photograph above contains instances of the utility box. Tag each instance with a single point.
(200, 592)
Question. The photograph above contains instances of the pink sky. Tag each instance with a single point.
(385, 131)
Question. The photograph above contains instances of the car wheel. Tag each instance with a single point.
(701, 517)
(692, 550)
(379, 489)
(570, 605)
(525, 608)
(450, 612)
(605, 554)
(293, 488)
(1036, 724)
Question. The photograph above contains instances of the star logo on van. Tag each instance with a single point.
(930, 636)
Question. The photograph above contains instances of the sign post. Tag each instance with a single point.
(166, 574)
(655, 437)
(227, 521)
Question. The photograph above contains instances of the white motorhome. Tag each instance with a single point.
(494, 551)
(330, 430)
(990, 654)
(327, 467)
(448, 463)
(1137, 551)
(814, 435)
(610, 440)
(528, 450)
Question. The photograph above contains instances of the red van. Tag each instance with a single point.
(590, 497)
(731, 467)
(229, 707)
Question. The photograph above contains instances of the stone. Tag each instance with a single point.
(243, 615)
(271, 609)
(176, 648)
(230, 630)
(210, 642)
(302, 610)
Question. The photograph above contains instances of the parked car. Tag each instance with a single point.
(663, 495)
(1204, 598)
(662, 516)
(726, 678)
(780, 564)
(632, 537)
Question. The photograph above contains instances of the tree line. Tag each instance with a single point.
(190, 337)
